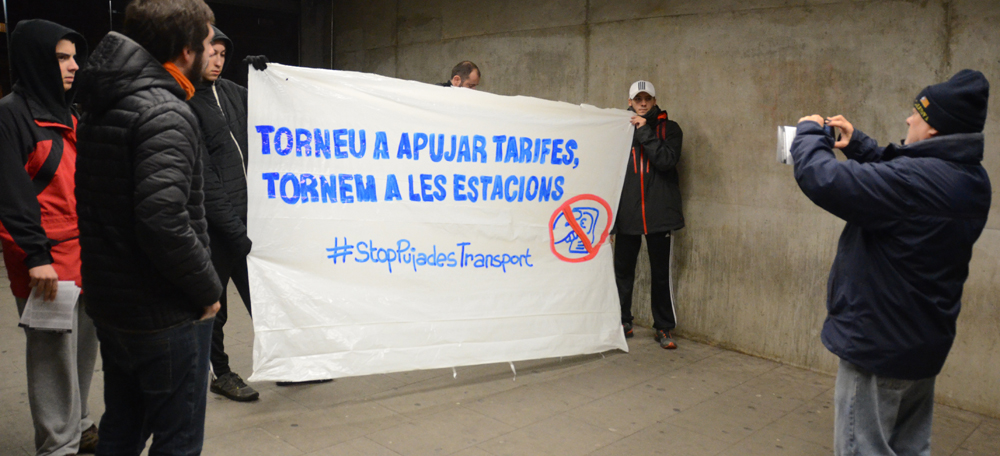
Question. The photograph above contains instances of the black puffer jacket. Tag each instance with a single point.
(144, 239)
(651, 197)
(222, 112)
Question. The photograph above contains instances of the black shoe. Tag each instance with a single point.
(306, 382)
(88, 440)
(233, 387)
(627, 327)
(665, 339)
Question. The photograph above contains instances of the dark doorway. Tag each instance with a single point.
(254, 31)
(257, 32)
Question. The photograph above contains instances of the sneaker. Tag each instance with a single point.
(306, 382)
(627, 327)
(88, 440)
(233, 387)
(665, 339)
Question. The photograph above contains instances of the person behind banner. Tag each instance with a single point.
(39, 227)
(221, 106)
(913, 213)
(650, 206)
(147, 269)
(466, 74)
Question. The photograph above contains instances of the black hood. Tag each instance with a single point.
(35, 69)
(118, 68)
(219, 36)
(965, 148)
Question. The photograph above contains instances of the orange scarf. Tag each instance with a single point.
(181, 79)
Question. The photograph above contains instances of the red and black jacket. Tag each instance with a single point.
(38, 221)
(651, 198)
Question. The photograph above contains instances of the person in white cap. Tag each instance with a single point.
(650, 206)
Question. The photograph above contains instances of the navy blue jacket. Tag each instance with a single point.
(913, 213)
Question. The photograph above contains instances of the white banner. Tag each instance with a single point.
(398, 225)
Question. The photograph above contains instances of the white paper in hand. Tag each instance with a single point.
(785, 137)
(56, 315)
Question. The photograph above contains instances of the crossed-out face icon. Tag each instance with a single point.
(579, 227)
(587, 218)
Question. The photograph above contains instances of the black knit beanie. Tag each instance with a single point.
(955, 106)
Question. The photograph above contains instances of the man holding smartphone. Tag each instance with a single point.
(913, 213)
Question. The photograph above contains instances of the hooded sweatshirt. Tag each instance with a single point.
(221, 107)
(38, 158)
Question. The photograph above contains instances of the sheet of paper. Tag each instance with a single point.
(785, 137)
(25, 321)
(56, 315)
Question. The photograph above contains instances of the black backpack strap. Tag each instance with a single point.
(47, 172)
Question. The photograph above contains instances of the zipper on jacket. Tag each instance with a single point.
(243, 164)
(642, 191)
(661, 132)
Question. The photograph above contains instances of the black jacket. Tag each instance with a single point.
(144, 239)
(221, 107)
(651, 197)
(913, 213)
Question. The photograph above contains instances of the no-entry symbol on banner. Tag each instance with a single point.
(579, 227)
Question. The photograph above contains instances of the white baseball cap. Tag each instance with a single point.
(641, 86)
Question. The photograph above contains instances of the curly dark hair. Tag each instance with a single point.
(166, 27)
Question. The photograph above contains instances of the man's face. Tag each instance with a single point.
(470, 82)
(642, 103)
(919, 129)
(201, 59)
(215, 62)
(66, 55)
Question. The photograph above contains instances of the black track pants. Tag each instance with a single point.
(626, 253)
(227, 266)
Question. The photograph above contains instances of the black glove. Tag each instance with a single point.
(243, 246)
(259, 62)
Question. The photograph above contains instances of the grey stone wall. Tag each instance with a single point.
(751, 266)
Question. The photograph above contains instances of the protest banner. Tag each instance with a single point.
(398, 225)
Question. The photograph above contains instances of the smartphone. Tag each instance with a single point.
(832, 132)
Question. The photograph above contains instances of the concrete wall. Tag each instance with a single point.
(753, 260)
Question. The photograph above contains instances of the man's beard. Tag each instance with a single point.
(197, 68)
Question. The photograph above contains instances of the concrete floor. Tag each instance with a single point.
(697, 400)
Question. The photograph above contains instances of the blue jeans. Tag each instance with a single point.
(881, 416)
(155, 383)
